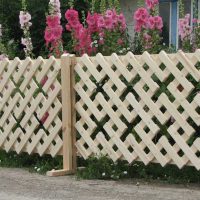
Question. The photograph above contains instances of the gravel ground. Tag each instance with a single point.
(18, 184)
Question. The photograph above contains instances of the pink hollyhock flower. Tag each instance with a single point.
(93, 49)
(97, 25)
(56, 8)
(48, 36)
(24, 18)
(114, 17)
(68, 27)
(108, 23)
(53, 32)
(84, 37)
(57, 32)
(146, 37)
(120, 41)
(185, 22)
(84, 41)
(195, 20)
(148, 40)
(92, 21)
(122, 21)
(181, 24)
(137, 15)
(123, 27)
(151, 23)
(151, 4)
(141, 17)
(121, 18)
(101, 41)
(138, 28)
(76, 30)
(101, 22)
(53, 20)
(141, 14)
(158, 22)
(101, 34)
(25, 41)
(71, 15)
(184, 28)
(109, 13)
(75, 25)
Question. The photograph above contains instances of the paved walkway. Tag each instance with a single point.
(17, 184)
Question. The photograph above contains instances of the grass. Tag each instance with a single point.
(33, 163)
(103, 168)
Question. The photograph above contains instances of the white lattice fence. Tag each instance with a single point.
(144, 108)
(30, 106)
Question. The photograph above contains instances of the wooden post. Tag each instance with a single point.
(73, 111)
(69, 155)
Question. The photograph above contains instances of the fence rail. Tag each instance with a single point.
(144, 107)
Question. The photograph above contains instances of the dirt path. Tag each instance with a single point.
(17, 184)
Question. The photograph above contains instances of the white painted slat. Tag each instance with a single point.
(86, 137)
(137, 148)
(12, 138)
(107, 147)
(91, 67)
(121, 126)
(88, 102)
(116, 100)
(139, 110)
(177, 116)
(171, 151)
(188, 65)
(11, 68)
(184, 147)
(107, 68)
(151, 105)
(121, 67)
(140, 70)
(85, 78)
(53, 132)
(86, 116)
(174, 70)
(117, 141)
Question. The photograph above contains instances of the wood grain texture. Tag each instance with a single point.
(118, 92)
(30, 106)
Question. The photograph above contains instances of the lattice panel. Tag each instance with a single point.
(144, 108)
(30, 106)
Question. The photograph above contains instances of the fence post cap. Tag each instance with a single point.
(65, 55)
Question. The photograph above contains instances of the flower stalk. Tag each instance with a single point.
(53, 31)
(25, 23)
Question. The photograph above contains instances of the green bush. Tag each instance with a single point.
(31, 162)
(104, 168)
